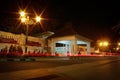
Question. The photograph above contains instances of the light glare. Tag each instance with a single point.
(105, 43)
(23, 19)
(22, 13)
(118, 43)
(100, 44)
(38, 19)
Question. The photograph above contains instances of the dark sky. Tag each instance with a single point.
(94, 19)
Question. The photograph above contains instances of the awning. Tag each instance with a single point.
(32, 43)
(7, 40)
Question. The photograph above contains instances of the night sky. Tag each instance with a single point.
(94, 19)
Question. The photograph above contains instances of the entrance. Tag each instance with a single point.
(63, 47)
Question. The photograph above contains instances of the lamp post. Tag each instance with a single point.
(25, 19)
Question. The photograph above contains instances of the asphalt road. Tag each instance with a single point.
(24, 65)
(105, 71)
(85, 68)
(16, 66)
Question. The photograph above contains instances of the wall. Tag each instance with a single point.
(20, 38)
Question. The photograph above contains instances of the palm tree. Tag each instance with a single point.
(116, 32)
(115, 36)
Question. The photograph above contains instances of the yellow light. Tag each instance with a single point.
(117, 48)
(23, 19)
(119, 44)
(105, 43)
(22, 13)
(100, 44)
(38, 19)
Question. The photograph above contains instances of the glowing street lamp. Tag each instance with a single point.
(103, 45)
(100, 44)
(118, 43)
(25, 19)
(22, 13)
(38, 19)
(118, 46)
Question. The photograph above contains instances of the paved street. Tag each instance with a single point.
(104, 68)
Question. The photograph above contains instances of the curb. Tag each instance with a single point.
(16, 60)
(31, 59)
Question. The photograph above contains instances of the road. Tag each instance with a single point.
(26, 65)
(85, 68)
(101, 71)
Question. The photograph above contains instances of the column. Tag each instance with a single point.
(53, 47)
(88, 47)
(74, 47)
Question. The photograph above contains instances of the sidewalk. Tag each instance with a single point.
(56, 73)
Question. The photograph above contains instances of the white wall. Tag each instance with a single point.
(20, 38)
(73, 45)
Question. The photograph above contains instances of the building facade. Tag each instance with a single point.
(63, 45)
(34, 44)
(71, 44)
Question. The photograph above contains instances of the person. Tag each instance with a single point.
(68, 54)
(19, 50)
(79, 53)
(56, 54)
(11, 49)
(5, 49)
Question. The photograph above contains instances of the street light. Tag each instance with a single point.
(27, 21)
(118, 46)
(103, 45)
(118, 43)
(38, 18)
(22, 13)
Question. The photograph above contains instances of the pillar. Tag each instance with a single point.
(88, 47)
(53, 47)
(74, 46)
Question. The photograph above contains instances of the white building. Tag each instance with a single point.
(64, 42)
(7, 39)
(69, 41)
(72, 44)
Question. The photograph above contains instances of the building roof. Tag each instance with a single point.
(68, 30)
(44, 34)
